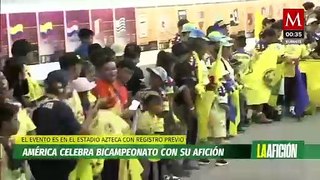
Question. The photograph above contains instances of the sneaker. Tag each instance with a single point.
(221, 162)
(262, 119)
(171, 177)
(292, 111)
(204, 161)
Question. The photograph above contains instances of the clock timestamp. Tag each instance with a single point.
(291, 34)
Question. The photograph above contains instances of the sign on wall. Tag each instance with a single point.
(75, 20)
(125, 25)
(102, 25)
(51, 35)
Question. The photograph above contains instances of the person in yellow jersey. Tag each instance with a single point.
(72, 64)
(294, 53)
(29, 90)
(151, 122)
(217, 120)
(273, 109)
(26, 127)
(240, 61)
(105, 123)
(258, 82)
(199, 45)
(161, 84)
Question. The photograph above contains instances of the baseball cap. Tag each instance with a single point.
(69, 59)
(188, 27)
(226, 42)
(215, 36)
(82, 84)
(197, 33)
(22, 47)
(311, 20)
(60, 77)
(159, 71)
(118, 49)
(266, 21)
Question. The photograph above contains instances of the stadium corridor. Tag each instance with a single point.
(287, 129)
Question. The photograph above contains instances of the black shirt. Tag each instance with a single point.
(54, 118)
(134, 84)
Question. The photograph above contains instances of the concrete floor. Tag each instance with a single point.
(288, 129)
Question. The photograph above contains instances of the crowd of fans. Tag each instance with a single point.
(191, 91)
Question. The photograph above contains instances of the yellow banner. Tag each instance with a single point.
(110, 139)
(311, 68)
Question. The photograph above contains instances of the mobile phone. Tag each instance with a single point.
(134, 105)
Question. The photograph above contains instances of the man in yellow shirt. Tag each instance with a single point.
(293, 53)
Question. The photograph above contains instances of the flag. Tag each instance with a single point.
(258, 18)
(121, 25)
(72, 28)
(44, 28)
(16, 29)
(217, 69)
(302, 97)
(234, 112)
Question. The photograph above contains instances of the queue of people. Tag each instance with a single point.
(208, 88)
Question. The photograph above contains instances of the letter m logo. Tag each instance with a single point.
(293, 19)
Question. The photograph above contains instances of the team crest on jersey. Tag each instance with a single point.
(109, 129)
(271, 78)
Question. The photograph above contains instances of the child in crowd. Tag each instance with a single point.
(151, 122)
(217, 120)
